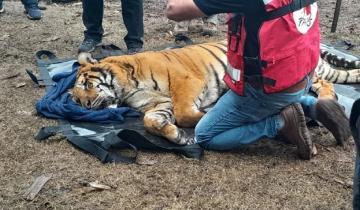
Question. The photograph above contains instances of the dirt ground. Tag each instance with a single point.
(267, 175)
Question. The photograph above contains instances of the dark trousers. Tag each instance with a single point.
(356, 186)
(355, 129)
(29, 2)
(132, 14)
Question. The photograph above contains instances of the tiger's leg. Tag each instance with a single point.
(323, 88)
(186, 111)
(159, 117)
(160, 121)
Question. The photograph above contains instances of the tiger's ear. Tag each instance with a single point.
(85, 58)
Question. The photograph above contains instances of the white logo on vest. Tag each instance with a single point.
(304, 18)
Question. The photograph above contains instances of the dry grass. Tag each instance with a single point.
(267, 175)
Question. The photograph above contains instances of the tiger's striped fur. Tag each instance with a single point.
(339, 58)
(334, 75)
(326, 74)
(171, 87)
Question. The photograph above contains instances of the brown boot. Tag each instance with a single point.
(332, 116)
(295, 130)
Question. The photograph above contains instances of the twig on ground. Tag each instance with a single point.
(10, 76)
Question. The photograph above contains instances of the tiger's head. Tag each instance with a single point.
(94, 86)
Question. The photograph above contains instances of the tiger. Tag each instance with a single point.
(173, 88)
(327, 73)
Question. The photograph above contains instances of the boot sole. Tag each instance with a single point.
(332, 116)
(92, 49)
(32, 18)
(305, 147)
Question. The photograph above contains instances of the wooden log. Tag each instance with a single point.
(336, 16)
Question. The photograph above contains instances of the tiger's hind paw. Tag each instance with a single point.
(184, 138)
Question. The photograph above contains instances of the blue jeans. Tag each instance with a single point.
(239, 120)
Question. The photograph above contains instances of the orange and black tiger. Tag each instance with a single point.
(171, 87)
(328, 72)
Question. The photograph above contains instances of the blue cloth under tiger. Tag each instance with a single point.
(58, 104)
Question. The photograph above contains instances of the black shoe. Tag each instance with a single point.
(88, 45)
(134, 50)
(33, 12)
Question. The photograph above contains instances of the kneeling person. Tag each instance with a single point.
(270, 67)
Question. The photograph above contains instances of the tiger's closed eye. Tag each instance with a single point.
(77, 100)
(89, 85)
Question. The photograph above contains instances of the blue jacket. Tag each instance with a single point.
(57, 103)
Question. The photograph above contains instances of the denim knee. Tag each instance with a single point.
(202, 133)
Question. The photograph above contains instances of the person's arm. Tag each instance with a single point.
(179, 10)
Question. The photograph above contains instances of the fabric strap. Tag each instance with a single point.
(292, 7)
(106, 151)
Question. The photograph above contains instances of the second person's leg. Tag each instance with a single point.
(32, 9)
(93, 12)
(132, 12)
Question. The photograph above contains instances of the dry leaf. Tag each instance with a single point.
(23, 112)
(345, 183)
(35, 188)
(97, 185)
(50, 39)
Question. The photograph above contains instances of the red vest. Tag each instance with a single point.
(288, 47)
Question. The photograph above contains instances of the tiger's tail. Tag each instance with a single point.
(339, 58)
(327, 72)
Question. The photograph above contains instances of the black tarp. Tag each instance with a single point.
(104, 141)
